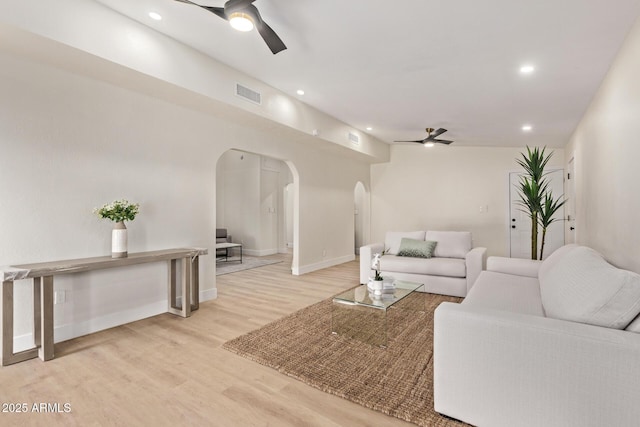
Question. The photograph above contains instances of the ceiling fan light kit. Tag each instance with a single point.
(241, 21)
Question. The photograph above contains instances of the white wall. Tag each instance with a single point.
(606, 148)
(238, 197)
(250, 201)
(442, 188)
(70, 143)
(361, 215)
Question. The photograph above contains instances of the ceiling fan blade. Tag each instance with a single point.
(441, 141)
(216, 10)
(419, 142)
(438, 132)
(271, 38)
(266, 32)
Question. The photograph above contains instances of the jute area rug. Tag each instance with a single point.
(397, 380)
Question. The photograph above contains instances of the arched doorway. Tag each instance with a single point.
(251, 204)
(361, 215)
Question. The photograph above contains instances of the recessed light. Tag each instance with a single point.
(300, 92)
(429, 144)
(155, 15)
(527, 128)
(527, 69)
(369, 128)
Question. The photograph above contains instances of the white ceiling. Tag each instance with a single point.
(400, 66)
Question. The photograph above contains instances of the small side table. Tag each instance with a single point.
(226, 247)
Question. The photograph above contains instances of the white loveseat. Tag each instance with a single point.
(452, 270)
(552, 343)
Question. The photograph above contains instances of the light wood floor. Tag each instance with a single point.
(167, 370)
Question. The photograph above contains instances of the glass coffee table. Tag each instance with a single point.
(358, 313)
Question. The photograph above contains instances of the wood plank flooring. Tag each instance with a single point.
(166, 370)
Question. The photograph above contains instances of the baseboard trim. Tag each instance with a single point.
(75, 330)
(297, 271)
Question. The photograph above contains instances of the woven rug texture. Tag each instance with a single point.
(396, 380)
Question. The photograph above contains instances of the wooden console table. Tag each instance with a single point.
(42, 275)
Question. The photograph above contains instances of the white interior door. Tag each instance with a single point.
(520, 223)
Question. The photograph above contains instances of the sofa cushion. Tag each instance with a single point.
(506, 292)
(634, 326)
(393, 238)
(553, 259)
(416, 248)
(583, 287)
(451, 244)
(451, 267)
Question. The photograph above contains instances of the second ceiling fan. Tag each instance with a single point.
(247, 15)
(430, 140)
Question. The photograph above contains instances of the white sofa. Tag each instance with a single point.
(551, 343)
(452, 270)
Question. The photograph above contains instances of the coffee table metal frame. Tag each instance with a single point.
(359, 314)
(226, 247)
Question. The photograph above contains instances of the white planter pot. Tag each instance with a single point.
(119, 240)
(376, 286)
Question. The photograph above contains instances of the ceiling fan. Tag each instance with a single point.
(430, 140)
(243, 16)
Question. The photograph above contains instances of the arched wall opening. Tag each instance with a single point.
(362, 216)
(257, 202)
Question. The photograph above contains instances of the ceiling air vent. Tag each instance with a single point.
(355, 139)
(248, 94)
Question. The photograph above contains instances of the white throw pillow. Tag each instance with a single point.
(393, 238)
(451, 244)
(582, 287)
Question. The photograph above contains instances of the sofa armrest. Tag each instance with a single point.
(496, 368)
(366, 258)
(475, 262)
(516, 266)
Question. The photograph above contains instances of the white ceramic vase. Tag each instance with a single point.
(119, 240)
(376, 286)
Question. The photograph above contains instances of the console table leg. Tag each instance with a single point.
(172, 286)
(7, 356)
(186, 287)
(45, 352)
(37, 311)
(6, 317)
(185, 308)
(195, 284)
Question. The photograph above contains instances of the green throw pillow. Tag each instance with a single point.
(416, 248)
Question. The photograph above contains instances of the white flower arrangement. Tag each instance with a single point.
(118, 210)
(375, 264)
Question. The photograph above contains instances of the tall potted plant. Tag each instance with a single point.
(536, 199)
(548, 209)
